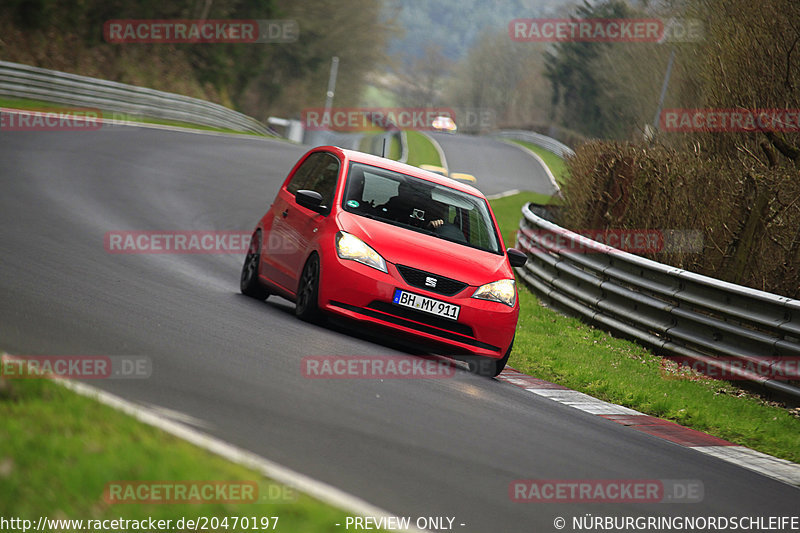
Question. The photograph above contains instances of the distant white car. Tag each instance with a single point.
(444, 123)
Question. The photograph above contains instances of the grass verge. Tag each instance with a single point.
(59, 450)
(564, 350)
(555, 163)
(421, 150)
(365, 144)
(371, 144)
(508, 211)
(395, 148)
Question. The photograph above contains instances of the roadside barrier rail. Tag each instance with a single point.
(24, 81)
(548, 143)
(734, 331)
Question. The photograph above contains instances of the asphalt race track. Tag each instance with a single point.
(498, 166)
(435, 447)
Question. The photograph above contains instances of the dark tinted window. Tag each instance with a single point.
(319, 172)
(421, 206)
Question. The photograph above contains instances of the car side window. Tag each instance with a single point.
(320, 173)
(324, 178)
(301, 177)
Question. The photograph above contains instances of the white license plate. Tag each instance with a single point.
(425, 304)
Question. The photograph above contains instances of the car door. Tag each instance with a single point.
(294, 226)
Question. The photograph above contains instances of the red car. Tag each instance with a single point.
(367, 238)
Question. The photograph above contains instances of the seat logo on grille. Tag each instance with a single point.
(430, 282)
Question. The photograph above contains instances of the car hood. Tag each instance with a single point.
(425, 252)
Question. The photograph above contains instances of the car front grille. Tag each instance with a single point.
(431, 282)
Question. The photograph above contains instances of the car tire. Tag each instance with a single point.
(248, 282)
(487, 366)
(306, 305)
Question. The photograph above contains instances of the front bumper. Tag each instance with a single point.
(356, 291)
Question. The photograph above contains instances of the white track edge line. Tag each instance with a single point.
(438, 147)
(317, 489)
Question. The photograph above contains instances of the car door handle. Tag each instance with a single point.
(285, 213)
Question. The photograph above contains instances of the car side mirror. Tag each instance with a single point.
(516, 257)
(309, 199)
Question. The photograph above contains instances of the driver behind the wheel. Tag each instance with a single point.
(412, 205)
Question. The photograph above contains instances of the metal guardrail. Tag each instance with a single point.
(723, 327)
(548, 143)
(24, 81)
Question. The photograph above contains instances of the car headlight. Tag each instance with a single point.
(499, 291)
(354, 249)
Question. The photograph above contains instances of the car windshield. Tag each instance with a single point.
(421, 206)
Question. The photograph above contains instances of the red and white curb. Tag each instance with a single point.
(762, 463)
